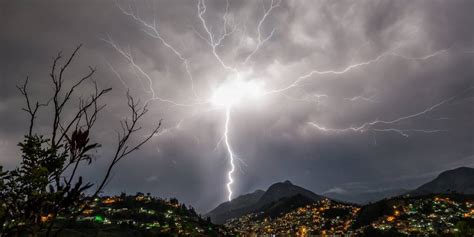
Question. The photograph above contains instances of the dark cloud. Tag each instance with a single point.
(271, 136)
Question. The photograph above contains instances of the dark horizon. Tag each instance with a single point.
(333, 96)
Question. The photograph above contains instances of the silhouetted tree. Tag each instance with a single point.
(174, 201)
(46, 184)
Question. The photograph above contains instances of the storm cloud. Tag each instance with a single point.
(410, 56)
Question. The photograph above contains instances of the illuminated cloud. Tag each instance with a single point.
(322, 93)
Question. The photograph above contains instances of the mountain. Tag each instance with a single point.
(460, 180)
(241, 205)
(285, 189)
(365, 197)
(258, 200)
(284, 205)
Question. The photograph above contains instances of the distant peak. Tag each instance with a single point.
(287, 182)
(457, 171)
(462, 168)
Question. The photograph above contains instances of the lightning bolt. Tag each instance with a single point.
(214, 39)
(369, 126)
(140, 73)
(260, 41)
(152, 31)
(201, 7)
(351, 67)
(214, 44)
(362, 98)
(230, 152)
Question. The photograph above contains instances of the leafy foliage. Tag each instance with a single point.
(46, 185)
(34, 192)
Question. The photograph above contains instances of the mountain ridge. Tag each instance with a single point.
(279, 196)
(458, 180)
(365, 197)
(258, 200)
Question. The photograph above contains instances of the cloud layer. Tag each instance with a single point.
(406, 57)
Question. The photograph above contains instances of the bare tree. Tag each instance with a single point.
(47, 183)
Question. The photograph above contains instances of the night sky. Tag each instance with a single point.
(335, 96)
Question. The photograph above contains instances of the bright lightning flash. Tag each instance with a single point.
(239, 88)
(230, 94)
(235, 91)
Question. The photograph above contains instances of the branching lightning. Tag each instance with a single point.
(260, 41)
(213, 43)
(152, 31)
(361, 98)
(351, 67)
(235, 88)
(370, 126)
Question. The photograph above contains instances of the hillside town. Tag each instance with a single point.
(434, 215)
(431, 215)
(144, 214)
(437, 215)
(324, 217)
